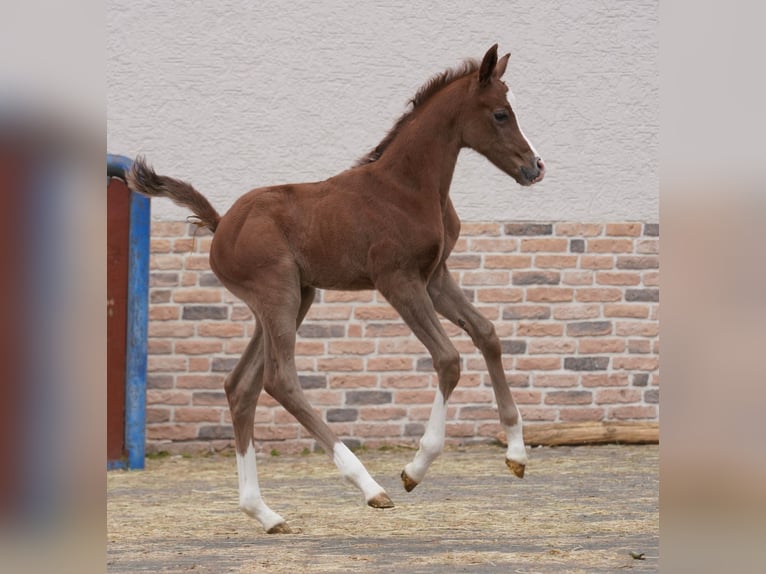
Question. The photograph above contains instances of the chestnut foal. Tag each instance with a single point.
(386, 224)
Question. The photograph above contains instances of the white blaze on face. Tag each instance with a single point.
(432, 442)
(512, 101)
(352, 469)
(250, 500)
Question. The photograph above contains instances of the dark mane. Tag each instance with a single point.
(426, 91)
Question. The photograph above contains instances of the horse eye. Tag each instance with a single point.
(500, 115)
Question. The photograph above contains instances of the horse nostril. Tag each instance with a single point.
(540, 164)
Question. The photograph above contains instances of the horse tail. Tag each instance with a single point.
(144, 180)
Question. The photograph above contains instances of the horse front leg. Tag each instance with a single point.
(450, 301)
(408, 295)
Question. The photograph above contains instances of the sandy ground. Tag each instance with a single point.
(578, 509)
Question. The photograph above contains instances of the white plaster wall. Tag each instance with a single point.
(232, 94)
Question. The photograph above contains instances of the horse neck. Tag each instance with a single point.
(424, 153)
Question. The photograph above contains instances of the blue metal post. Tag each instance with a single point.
(138, 312)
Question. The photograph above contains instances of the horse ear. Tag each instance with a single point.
(501, 65)
(488, 66)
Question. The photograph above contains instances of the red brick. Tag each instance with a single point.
(632, 229)
(612, 396)
(550, 294)
(167, 228)
(390, 363)
(555, 380)
(469, 228)
(556, 261)
(651, 278)
(638, 262)
(460, 429)
(537, 413)
(596, 262)
(176, 330)
(157, 415)
(504, 295)
(639, 346)
(648, 246)
(605, 380)
(577, 278)
(507, 261)
(609, 246)
(377, 429)
(161, 261)
(322, 311)
(157, 245)
(579, 229)
(348, 296)
(171, 431)
(197, 262)
(276, 432)
(164, 312)
(548, 346)
(641, 363)
(618, 278)
(192, 381)
(598, 294)
(413, 396)
(527, 397)
(492, 245)
(577, 311)
(163, 397)
(376, 313)
(352, 347)
(353, 381)
(165, 364)
(633, 412)
(183, 245)
(549, 245)
(198, 347)
(464, 261)
(540, 329)
(568, 398)
(382, 413)
(159, 347)
(580, 414)
(637, 328)
(340, 364)
(386, 330)
(538, 363)
(600, 345)
(477, 412)
(478, 278)
(197, 414)
(627, 311)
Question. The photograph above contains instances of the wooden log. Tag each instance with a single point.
(553, 434)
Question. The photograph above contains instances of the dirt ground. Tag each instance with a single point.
(578, 509)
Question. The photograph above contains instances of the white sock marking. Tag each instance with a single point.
(250, 500)
(432, 443)
(352, 469)
(516, 451)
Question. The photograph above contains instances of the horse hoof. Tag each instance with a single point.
(380, 501)
(409, 484)
(281, 528)
(516, 467)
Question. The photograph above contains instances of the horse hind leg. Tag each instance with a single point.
(281, 382)
(243, 387)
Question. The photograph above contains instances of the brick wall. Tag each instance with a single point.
(575, 305)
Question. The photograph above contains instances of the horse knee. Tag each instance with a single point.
(448, 369)
(487, 341)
